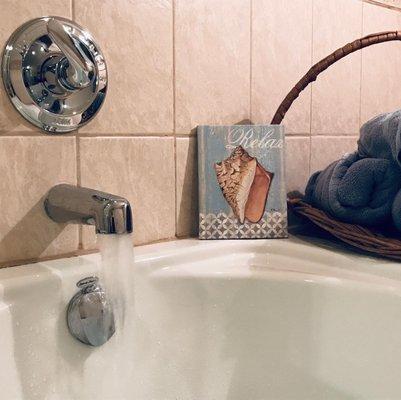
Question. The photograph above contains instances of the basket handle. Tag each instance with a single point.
(322, 65)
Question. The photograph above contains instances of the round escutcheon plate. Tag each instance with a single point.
(54, 74)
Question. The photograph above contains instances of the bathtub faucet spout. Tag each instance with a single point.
(71, 204)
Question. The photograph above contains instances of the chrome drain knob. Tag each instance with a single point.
(90, 316)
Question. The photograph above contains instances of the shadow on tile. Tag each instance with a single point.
(30, 237)
(187, 218)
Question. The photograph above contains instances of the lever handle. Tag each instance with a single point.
(80, 65)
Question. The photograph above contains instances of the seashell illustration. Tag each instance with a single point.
(245, 184)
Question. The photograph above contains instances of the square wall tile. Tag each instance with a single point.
(137, 40)
(139, 169)
(381, 83)
(29, 167)
(326, 149)
(336, 92)
(297, 155)
(13, 14)
(212, 62)
(187, 210)
(281, 55)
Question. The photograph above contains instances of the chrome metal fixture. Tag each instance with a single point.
(71, 204)
(90, 317)
(54, 74)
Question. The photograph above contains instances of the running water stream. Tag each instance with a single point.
(110, 369)
(116, 275)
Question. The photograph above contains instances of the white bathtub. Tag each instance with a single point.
(238, 320)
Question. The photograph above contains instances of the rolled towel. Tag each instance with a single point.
(356, 190)
(381, 137)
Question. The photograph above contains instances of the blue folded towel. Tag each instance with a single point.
(364, 187)
(357, 190)
(381, 137)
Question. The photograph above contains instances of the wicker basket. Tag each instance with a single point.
(369, 240)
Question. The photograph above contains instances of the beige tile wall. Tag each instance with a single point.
(174, 64)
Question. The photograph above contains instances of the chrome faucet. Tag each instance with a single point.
(90, 317)
(54, 74)
(71, 204)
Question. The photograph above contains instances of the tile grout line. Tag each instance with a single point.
(174, 118)
(290, 137)
(175, 188)
(89, 135)
(145, 136)
(73, 254)
(126, 134)
(325, 135)
(355, 135)
(360, 69)
(38, 135)
(78, 159)
(311, 94)
(79, 182)
(77, 150)
(174, 63)
(250, 57)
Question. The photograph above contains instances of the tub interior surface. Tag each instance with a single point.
(211, 320)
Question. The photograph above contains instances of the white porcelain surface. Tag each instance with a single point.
(212, 320)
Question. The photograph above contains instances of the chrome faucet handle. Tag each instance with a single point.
(78, 73)
(54, 74)
(90, 316)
